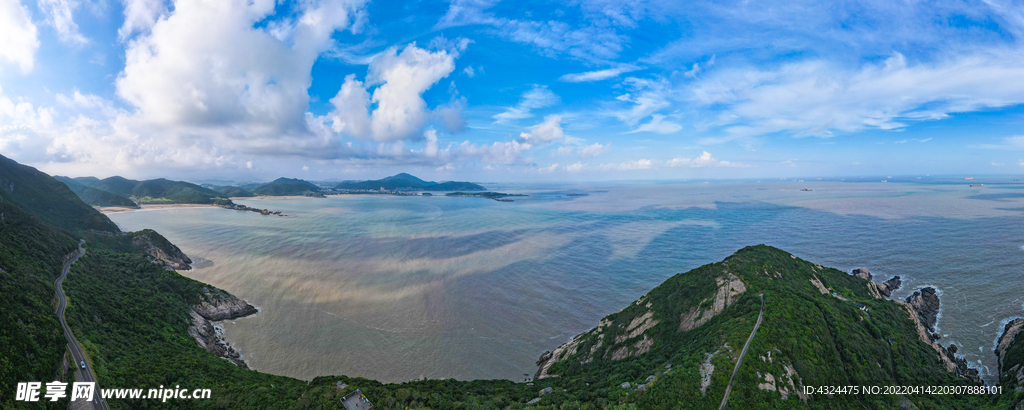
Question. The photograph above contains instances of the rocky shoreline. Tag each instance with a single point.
(924, 303)
(218, 306)
(251, 209)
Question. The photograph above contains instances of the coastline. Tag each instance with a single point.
(118, 209)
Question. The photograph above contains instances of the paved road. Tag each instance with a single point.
(728, 388)
(76, 351)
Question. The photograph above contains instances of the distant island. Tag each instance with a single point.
(406, 182)
(497, 196)
(127, 193)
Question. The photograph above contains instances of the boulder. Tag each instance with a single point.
(862, 273)
(886, 288)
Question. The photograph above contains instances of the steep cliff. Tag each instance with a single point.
(161, 249)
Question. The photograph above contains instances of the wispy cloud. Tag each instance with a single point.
(598, 75)
(537, 97)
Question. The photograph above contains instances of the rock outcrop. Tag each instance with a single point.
(926, 303)
(161, 249)
(218, 305)
(730, 288)
(1010, 374)
(886, 288)
(961, 366)
(210, 336)
(862, 273)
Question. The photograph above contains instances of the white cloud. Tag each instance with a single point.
(634, 165)
(305, 168)
(248, 164)
(431, 146)
(60, 15)
(543, 133)
(659, 125)
(446, 167)
(564, 150)
(400, 110)
(816, 98)
(648, 96)
(505, 153)
(469, 71)
(537, 97)
(553, 38)
(205, 66)
(706, 160)
(140, 16)
(599, 74)
(18, 35)
(548, 169)
(593, 150)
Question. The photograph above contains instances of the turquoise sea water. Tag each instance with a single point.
(393, 288)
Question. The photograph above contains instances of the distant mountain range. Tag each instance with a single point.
(406, 181)
(120, 191)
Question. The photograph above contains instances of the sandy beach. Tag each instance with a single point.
(114, 209)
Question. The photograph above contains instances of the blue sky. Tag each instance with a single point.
(529, 90)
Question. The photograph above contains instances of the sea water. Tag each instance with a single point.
(397, 287)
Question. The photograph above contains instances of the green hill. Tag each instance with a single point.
(406, 181)
(96, 197)
(673, 348)
(152, 191)
(233, 191)
(117, 185)
(286, 186)
(49, 199)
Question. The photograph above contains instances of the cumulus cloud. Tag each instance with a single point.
(543, 133)
(140, 16)
(206, 65)
(537, 97)
(593, 150)
(704, 160)
(18, 35)
(400, 110)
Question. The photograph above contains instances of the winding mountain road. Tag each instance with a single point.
(81, 375)
(728, 388)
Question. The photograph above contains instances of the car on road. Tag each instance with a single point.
(83, 364)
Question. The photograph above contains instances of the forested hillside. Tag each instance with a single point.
(675, 347)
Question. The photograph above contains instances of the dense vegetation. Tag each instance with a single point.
(31, 340)
(154, 191)
(95, 196)
(233, 191)
(47, 198)
(406, 181)
(286, 186)
(132, 317)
